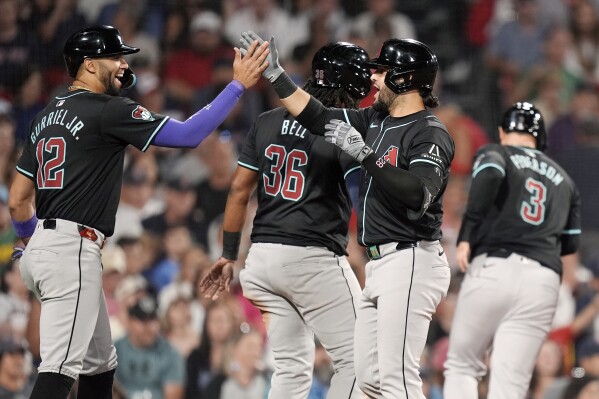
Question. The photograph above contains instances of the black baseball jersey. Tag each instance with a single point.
(302, 197)
(418, 140)
(74, 155)
(535, 203)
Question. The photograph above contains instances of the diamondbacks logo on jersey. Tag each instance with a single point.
(141, 113)
(390, 156)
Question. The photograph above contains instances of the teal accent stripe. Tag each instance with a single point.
(425, 161)
(488, 165)
(155, 133)
(351, 171)
(72, 95)
(346, 116)
(23, 171)
(245, 165)
(572, 231)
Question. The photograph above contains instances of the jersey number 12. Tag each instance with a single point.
(284, 176)
(50, 175)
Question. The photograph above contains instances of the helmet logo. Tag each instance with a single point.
(319, 76)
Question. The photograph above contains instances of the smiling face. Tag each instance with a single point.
(108, 72)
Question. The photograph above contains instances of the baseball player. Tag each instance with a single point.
(72, 168)
(523, 213)
(405, 154)
(296, 272)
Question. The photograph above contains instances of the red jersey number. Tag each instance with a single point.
(285, 176)
(50, 175)
(533, 211)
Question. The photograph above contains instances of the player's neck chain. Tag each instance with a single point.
(77, 87)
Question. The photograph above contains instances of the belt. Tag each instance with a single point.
(499, 253)
(69, 227)
(375, 252)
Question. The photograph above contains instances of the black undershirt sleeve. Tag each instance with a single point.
(313, 117)
(483, 191)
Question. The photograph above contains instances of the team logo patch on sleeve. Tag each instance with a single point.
(141, 113)
(390, 156)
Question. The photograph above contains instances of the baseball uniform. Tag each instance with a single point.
(408, 274)
(74, 155)
(523, 213)
(296, 272)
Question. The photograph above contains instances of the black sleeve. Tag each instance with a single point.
(316, 115)
(402, 185)
(570, 237)
(488, 171)
(248, 157)
(128, 122)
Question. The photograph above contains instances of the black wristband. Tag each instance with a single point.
(231, 242)
(284, 86)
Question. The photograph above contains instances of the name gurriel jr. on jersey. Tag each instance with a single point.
(57, 118)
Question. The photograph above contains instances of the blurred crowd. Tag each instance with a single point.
(172, 343)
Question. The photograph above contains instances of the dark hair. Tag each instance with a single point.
(429, 99)
(331, 97)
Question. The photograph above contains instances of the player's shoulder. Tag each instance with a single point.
(272, 115)
(491, 148)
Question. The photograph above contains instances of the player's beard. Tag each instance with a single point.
(384, 101)
(108, 81)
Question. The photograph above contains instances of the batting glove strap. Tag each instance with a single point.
(363, 153)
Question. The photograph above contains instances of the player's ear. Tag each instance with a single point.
(90, 65)
(502, 135)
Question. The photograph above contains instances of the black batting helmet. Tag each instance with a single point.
(93, 42)
(342, 64)
(523, 117)
(411, 65)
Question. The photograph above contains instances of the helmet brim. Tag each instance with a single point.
(124, 50)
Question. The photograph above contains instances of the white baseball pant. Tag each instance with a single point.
(302, 291)
(401, 294)
(64, 270)
(506, 303)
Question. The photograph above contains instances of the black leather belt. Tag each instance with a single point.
(499, 253)
(374, 251)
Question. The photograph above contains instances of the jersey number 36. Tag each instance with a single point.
(284, 176)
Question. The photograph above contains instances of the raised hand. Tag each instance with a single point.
(274, 69)
(218, 278)
(248, 68)
(347, 138)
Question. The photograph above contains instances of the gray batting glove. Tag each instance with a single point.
(347, 138)
(274, 69)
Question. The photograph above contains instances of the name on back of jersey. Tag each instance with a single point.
(541, 167)
(59, 117)
(292, 128)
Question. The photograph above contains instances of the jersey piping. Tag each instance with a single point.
(245, 165)
(350, 171)
(154, 134)
(488, 165)
(370, 178)
(23, 171)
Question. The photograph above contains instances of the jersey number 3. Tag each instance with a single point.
(50, 175)
(284, 176)
(533, 211)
